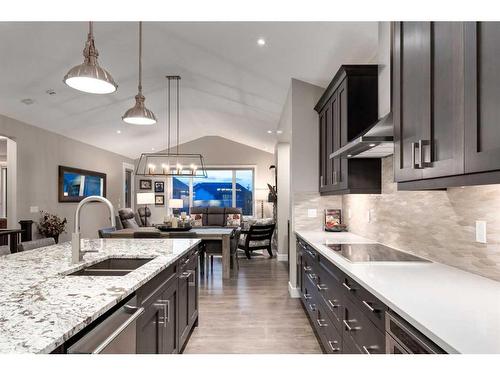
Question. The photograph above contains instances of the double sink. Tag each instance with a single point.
(112, 267)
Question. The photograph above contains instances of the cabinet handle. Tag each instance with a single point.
(334, 348)
(333, 304)
(321, 182)
(166, 302)
(161, 303)
(348, 326)
(348, 287)
(414, 163)
(312, 276)
(321, 323)
(307, 268)
(307, 296)
(367, 304)
(185, 274)
(311, 253)
(367, 349)
(312, 307)
(421, 143)
(321, 287)
(335, 179)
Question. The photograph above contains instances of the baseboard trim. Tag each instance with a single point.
(282, 257)
(294, 292)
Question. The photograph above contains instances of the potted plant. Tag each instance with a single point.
(51, 225)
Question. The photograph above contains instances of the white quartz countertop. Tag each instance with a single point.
(458, 310)
(41, 307)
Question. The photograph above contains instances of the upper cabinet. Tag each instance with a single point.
(445, 93)
(346, 109)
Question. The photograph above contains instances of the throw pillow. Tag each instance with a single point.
(233, 220)
(197, 220)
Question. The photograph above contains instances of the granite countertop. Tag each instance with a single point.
(41, 307)
(458, 310)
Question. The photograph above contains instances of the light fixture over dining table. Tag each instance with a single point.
(168, 163)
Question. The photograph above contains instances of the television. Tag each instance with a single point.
(76, 184)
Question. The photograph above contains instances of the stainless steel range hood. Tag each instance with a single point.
(376, 142)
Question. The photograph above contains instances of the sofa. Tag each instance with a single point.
(215, 216)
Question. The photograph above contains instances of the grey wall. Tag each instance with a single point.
(219, 151)
(39, 153)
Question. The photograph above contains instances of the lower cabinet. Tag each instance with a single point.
(170, 302)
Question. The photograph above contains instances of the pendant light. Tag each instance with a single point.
(139, 114)
(168, 163)
(89, 76)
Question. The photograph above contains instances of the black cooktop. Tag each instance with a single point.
(372, 252)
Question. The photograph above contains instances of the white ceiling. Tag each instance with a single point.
(230, 86)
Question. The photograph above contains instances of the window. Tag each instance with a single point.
(222, 188)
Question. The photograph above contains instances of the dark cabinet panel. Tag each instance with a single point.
(346, 109)
(149, 334)
(188, 297)
(482, 93)
(171, 341)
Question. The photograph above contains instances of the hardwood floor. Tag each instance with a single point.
(251, 312)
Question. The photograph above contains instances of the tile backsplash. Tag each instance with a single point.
(304, 201)
(439, 225)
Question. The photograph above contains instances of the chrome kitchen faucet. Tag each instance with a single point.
(76, 253)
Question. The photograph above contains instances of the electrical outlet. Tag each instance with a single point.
(481, 231)
(312, 212)
(34, 209)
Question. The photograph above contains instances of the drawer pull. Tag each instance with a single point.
(312, 307)
(321, 287)
(311, 253)
(307, 268)
(348, 327)
(334, 348)
(369, 307)
(312, 276)
(307, 296)
(333, 304)
(367, 349)
(321, 323)
(348, 287)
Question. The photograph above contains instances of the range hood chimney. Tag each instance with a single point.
(377, 141)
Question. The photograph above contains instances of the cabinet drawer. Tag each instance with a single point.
(328, 267)
(330, 297)
(368, 303)
(328, 332)
(362, 330)
(310, 297)
(350, 347)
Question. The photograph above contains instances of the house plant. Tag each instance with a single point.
(51, 225)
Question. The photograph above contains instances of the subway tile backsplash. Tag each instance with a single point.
(439, 225)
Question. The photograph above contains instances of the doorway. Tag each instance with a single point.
(8, 183)
(128, 185)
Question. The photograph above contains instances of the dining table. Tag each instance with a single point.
(222, 234)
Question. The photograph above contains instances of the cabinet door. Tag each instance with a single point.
(482, 93)
(443, 138)
(411, 93)
(193, 290)
(169, 297)
(329, 121)
(183, 315)
(150, 335)
(341, 138)
(322, 151)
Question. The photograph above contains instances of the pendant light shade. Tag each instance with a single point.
(139, 114)
(89, 76)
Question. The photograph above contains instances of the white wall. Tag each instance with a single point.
(219, 152)
(39, 153)
(283, 168)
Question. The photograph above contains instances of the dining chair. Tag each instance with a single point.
(105, 232)
(256, 238)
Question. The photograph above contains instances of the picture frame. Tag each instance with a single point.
(159, 186)
(159, 200)
(76, 184)
(145, 184)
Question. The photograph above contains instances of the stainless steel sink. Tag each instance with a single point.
(112, 267)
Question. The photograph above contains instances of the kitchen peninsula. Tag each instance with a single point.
(43, 307)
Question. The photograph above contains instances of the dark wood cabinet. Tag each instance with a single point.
(346, 109)
(188, 297)
(445, 94)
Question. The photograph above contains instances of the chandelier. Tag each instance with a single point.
(168, 163)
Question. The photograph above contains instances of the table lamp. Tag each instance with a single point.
(261, 195)
(145, 199)
(175, 204)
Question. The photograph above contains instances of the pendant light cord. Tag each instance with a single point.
(140, 57)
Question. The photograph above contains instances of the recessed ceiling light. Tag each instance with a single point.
(269, 132)
(279, 131)
(261, 42)
(118, 132)
(27, 101)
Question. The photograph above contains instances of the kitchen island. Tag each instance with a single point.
(42, 306)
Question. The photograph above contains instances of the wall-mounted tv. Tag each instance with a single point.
(76, 184)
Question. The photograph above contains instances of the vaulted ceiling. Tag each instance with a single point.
(230, 86)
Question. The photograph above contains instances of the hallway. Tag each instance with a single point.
(251, 313)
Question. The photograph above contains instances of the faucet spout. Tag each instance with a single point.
(76, 253)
